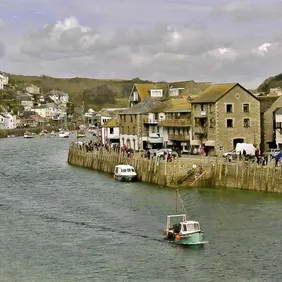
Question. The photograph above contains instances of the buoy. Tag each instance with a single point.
(177, 237)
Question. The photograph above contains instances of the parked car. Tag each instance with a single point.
(272, 152)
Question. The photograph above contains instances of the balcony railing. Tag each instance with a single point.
(175, 123)
(200, 130)
(150, 121)
(178, 137)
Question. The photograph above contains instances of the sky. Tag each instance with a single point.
(173, 40)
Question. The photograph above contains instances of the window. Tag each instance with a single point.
(246, 108)
(134, 130)
(246, 122)
(211, 108)
(111, 130)
(131, 118)
(278, 125)
(229, 108)
(229, 122)
(211, 123)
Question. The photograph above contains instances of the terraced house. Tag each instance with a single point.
(224, 115)
(174, 123)
(142, 91)
(135, 123)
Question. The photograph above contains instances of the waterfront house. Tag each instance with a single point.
(173, 123)
(8, 121)
(134, 126)
(32, 89)
(110, 132)
(224, 115)
(142, 91)
(102, 117)
(269, 105)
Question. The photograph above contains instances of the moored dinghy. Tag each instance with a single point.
(181, 231)
(125, 173)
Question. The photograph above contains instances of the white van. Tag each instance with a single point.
(240, 147)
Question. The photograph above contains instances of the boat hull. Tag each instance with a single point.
(193, 239)
(125, 178)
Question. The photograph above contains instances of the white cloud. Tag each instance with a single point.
(248, 10)
(157, 40)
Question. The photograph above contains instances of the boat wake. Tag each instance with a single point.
(96, 227)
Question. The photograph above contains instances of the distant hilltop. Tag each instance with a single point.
(271, 83)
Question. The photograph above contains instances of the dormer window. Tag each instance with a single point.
(156, 93)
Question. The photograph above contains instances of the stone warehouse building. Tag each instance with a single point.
(224, 115)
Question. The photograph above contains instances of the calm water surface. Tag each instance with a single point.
(62, 223)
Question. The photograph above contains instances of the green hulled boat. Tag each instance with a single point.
(181, 231)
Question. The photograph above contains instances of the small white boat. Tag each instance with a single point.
(52, 133)
(64, 134)
(28, 135)
(125, 173)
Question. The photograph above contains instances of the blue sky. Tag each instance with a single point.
(218, 41)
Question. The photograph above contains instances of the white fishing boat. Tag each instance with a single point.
(52, 133)
(181, 231)
(28, 135)
(125, 173)
(64, 134)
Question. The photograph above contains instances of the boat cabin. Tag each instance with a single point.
(179, 224)
(124, 170)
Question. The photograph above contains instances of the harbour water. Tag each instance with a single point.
(62, 223)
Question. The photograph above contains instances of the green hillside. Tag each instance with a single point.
(271, 82)
(95, 93)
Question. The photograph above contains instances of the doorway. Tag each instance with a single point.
(236, 141)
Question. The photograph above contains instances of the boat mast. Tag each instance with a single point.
(183, 208)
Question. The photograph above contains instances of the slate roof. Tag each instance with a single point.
(111, 123)
(173, 105)
(266, 102)
(143, 107)
(204, 85)
(214, 93)
(190, 87)
(143, 89)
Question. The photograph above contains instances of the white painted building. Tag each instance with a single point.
(9, 121)
(110, 132)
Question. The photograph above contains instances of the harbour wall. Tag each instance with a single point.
(183, 173)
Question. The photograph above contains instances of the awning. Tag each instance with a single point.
(195, 142)
(210, 143)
